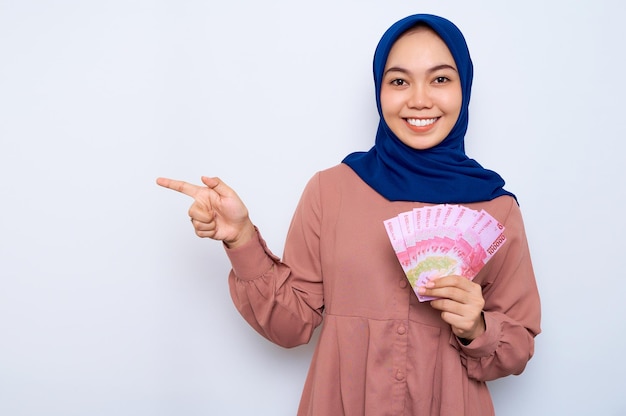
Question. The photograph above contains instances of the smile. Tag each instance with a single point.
(421, 122)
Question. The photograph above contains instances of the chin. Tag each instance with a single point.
(421, 145)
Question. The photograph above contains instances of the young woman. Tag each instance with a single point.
(381, 350)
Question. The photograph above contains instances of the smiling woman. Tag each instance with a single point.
(421, 94)
(383, 350)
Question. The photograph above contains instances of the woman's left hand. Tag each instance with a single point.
(460, 302)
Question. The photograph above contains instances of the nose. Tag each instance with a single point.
(420, 97)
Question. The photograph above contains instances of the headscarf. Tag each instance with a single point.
(443, 173)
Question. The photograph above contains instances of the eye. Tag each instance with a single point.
(399, 82)
(441, 80)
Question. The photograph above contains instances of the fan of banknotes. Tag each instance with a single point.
(443, 240)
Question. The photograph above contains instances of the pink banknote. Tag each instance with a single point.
(443, 240)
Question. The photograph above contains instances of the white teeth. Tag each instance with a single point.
(420, 122)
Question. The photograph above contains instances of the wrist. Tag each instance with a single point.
(246, 234)
(481, 328)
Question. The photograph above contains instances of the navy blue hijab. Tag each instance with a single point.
(444, 173)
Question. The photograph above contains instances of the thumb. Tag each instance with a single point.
(217, 185)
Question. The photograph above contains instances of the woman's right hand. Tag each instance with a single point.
(217, 211)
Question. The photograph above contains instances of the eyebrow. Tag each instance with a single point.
(430, 70)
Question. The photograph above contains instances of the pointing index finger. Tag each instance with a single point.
(179, 186)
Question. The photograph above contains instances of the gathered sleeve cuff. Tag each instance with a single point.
(251, 260)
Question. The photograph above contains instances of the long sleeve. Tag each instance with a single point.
(283, 303)
(512, 309)
(381, 351)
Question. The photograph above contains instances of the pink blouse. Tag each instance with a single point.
(381, 351)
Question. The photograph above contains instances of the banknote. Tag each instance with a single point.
(442, 240)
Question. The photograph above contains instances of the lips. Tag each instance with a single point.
(421, 122)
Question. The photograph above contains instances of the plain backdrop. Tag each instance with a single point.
(109, 303)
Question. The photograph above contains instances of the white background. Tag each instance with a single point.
(110, 305)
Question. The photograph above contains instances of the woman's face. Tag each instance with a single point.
(420, 94)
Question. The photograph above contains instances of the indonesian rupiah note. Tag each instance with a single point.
(442, 240)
